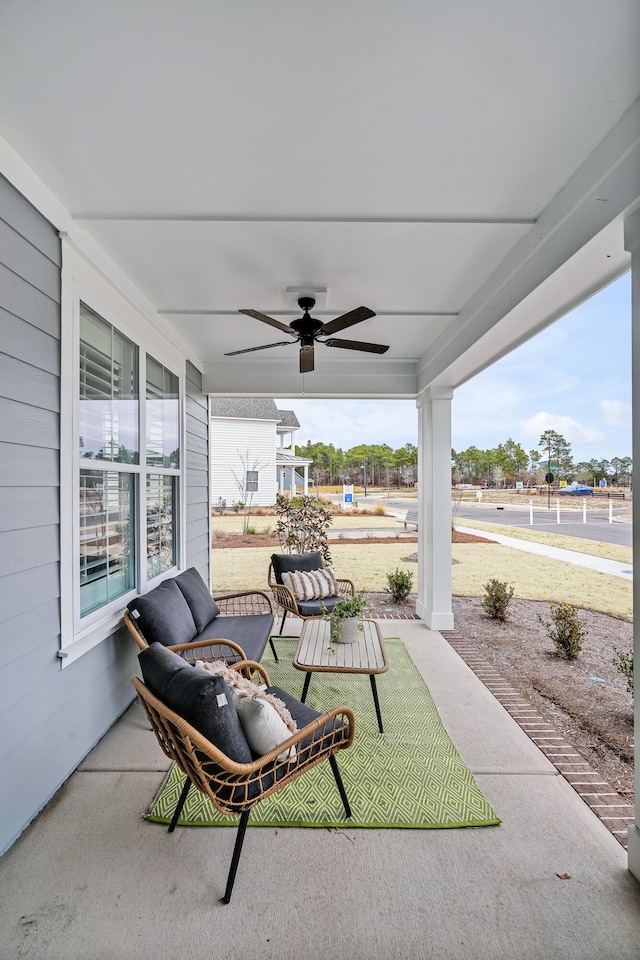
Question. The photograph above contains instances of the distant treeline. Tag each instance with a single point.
(509, 463)
(377, 464)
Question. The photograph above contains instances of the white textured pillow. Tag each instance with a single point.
(312, 584)
(263, 727)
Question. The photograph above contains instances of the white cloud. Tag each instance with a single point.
(615, 413)
(569, 428)
(347, 423)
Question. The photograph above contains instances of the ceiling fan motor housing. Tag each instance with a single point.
(306, 327)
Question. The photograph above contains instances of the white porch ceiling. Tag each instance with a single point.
(435, 161)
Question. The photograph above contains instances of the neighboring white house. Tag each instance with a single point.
(252, 446)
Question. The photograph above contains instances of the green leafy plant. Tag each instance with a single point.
(302, 525)
(346, 608)
(250, 531)
(496, 599)
(566, 631)
(623, 660)
(399, 583)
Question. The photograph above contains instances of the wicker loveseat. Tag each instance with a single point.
(196, 723)
(181, 614)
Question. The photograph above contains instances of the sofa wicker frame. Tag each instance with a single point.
(235, 788)
(243, 603)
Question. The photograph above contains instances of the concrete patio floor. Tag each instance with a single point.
(92, 880)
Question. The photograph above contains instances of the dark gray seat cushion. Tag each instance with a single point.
(199, 697)
(303, 715)
(288, 562)
(202, 605)
(316, 608)
(163, 615)
(251, 632)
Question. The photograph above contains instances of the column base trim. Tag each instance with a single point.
(435, 621)
(634, 851)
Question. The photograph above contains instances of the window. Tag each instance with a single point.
(252, 481)
(163, 454)
(128, 504)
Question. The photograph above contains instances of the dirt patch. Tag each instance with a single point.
(586, 700)
(220, 541)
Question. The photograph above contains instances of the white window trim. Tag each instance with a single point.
(81, 634)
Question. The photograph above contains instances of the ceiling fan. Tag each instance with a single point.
(307, 332)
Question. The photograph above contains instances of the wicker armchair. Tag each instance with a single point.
(235, 788)
(283, 596)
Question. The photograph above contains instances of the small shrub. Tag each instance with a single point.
(399, 583)
(251, 531)
(379, 511)
(267, 530)
(623, 660)
(566, 631)
(496, 601)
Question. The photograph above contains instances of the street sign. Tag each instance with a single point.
(549, 478)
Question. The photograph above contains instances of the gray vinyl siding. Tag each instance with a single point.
(50, 717)
(197, 518)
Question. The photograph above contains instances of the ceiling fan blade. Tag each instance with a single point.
(265, 319)
(348, 319)
(356, 345)
(267, 346)
(306, 359)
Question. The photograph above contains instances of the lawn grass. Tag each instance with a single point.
(532, 577)
(348, 521)
(610, 551)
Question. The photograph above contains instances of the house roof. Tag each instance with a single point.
(288, 419)
(245, 408)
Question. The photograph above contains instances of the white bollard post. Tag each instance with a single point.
(610, 511)
(531, 513)
(558, 511)
(584, 511)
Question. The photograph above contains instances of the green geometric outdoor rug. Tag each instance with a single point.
(410, 776)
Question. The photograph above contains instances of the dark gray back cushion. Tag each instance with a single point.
(198, 696)
(163, 615)
(203, 607)
(286, 562)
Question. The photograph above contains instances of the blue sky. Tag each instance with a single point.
(574, 377)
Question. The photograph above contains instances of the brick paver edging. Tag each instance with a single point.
(606, 803)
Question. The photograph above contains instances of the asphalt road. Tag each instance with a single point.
(597, 526)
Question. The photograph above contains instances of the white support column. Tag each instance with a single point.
(434, 508)
(292, 484)
(306, 479)
(632, 243)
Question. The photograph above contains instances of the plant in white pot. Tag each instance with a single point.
(344, 618)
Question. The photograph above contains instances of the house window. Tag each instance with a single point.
(108, 420)
(124, 498)
(252, 481)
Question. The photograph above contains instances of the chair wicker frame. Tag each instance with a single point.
(286, 600)
(235, 788)
(244, 603)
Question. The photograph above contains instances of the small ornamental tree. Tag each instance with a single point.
(302, 525)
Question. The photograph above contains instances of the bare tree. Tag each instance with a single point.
(247, 483)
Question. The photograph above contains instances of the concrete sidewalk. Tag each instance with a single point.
(92, 880)
(612, 567)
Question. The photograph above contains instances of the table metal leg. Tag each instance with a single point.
(374, 690)
(305, 689)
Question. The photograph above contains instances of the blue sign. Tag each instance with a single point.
(348, 498)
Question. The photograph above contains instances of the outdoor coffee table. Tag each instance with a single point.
(317, 654)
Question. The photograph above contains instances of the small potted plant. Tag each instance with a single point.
(344, 618)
